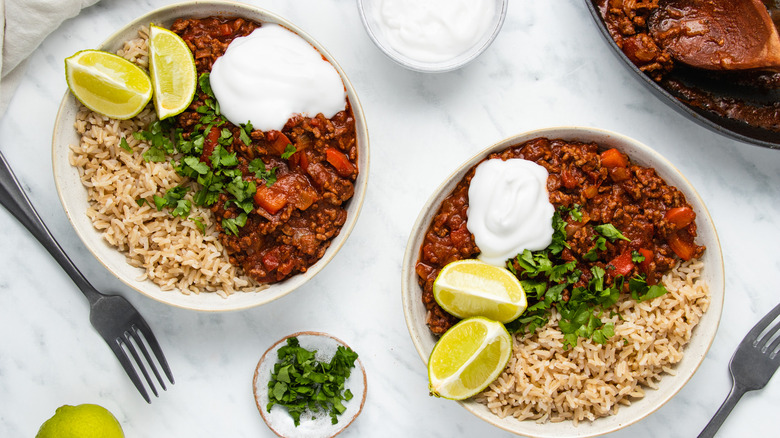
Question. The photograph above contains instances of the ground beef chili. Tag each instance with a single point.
(606, 187)
(297, 216)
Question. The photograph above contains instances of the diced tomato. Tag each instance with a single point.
(680, 217)
(613, 158)
(277, 141)
(648, 255)
(623, 264)
(225, 29)
(460, 236)
(590, 192)
(270, 199)
(339, 161)
(271, 259)
(682, 246)
(212, 139)
(618, 174)
(568, 178)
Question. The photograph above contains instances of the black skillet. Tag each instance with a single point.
(705, 82)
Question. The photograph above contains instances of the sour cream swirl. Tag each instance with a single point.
(272, 74)
(509, 209)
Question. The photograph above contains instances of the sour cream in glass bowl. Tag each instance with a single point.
(432, 36)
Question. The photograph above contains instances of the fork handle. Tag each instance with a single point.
(13, 198)
(736, 393)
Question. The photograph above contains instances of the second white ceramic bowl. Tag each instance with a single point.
(703, 334)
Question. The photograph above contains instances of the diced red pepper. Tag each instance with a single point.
(211, 142)
(682, 246)
(269, 199)
(623, 264)
(648, 255)
(299, 159)
(339, 161)
(277, 141)
(613, 158)
(680, 217)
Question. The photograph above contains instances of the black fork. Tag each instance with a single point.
(753, 364)
(117, 321)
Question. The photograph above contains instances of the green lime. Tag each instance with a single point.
(107, 83)
(468, 288)
(81, 421)
(173, 72)
(468, 357)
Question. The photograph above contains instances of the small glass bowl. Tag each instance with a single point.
(365, 7)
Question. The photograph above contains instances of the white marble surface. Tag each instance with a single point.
(549, 66)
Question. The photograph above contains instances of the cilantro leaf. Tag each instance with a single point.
(288, 151)
(610, 232)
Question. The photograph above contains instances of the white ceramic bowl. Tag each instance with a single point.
(279, 420)
(703, 334)
(366, 9)
(73, 195)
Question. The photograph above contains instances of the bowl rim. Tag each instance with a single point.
(714, 266)
(435, 67)
(91, 238)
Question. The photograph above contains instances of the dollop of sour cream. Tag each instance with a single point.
(509, 209)
(272, 74)
(433, 30)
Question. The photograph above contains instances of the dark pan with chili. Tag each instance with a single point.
(741, 105)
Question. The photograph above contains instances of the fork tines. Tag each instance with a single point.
(768, 340)
(135, 338)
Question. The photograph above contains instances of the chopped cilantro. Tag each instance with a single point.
(301, 383)
(231, 225)
(288, 151)
(549, 281)
(123, 144)
(257, 166)
(610, 232)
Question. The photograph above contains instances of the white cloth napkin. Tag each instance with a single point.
(24, 26)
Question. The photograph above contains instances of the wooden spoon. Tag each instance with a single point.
(717, 34)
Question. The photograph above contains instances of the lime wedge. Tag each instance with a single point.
(107, 83)
(468, 288)
(468, 357)
(172, 68)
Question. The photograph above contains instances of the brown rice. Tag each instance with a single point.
(545, 382)
(171, 251)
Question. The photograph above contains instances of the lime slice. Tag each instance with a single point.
(468, 357)
(172, 68)
(107, 83)
(473, 288)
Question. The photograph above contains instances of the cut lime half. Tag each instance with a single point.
(468, 357)
(470, 287)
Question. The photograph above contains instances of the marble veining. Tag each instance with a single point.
(548, 67)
